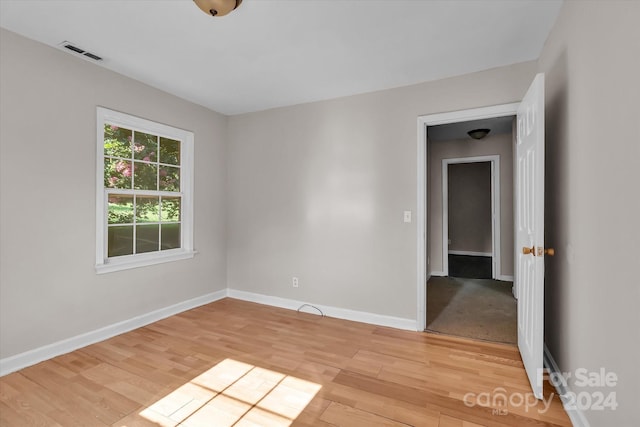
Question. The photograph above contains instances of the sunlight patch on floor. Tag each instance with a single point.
(233, 393)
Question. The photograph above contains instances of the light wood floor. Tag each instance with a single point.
(234, 363)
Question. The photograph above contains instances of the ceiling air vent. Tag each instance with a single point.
(79, 51)
(92, 56)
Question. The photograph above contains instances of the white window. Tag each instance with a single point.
(144, 198)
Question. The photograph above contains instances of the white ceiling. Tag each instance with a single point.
(272, 53)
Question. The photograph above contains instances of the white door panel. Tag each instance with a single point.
(529, 274)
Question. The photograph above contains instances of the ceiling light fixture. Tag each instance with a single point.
(478, 133)
(217, 7)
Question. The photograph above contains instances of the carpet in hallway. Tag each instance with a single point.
(473, 308)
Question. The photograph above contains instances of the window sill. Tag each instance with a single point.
(115, 264)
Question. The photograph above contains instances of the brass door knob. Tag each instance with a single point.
(540, 251)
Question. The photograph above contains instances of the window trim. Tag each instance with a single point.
(107, 265)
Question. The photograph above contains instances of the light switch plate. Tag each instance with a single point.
(407, 216)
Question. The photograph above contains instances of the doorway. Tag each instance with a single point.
(469, 223)
(471, 219)
(423, 231)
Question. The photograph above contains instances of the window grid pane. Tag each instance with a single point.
(147, 238)
(170, 235)
(127, 234)
(145, 176)
(170, 208)
(145, 147)
(120, 241)
(169, 151)
(147, 208)
(143, 164)
(117, 173)
(117, 141)
(120, 209)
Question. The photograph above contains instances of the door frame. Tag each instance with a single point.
(423, 123)
(494, 160)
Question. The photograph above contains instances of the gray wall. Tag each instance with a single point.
(592, 321)
(49, 290)
(501, 145)
(318, 191)
(469, 207)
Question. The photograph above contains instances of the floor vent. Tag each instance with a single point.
(79, 51)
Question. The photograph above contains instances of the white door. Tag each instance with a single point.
(529, 274)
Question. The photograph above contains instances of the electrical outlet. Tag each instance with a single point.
(295, 282)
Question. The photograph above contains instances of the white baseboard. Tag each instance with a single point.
(575, 414)
(504, 277)
(339, 313)
(470, 253)
(31, 357)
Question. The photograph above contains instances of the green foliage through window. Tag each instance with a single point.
(148, 166)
